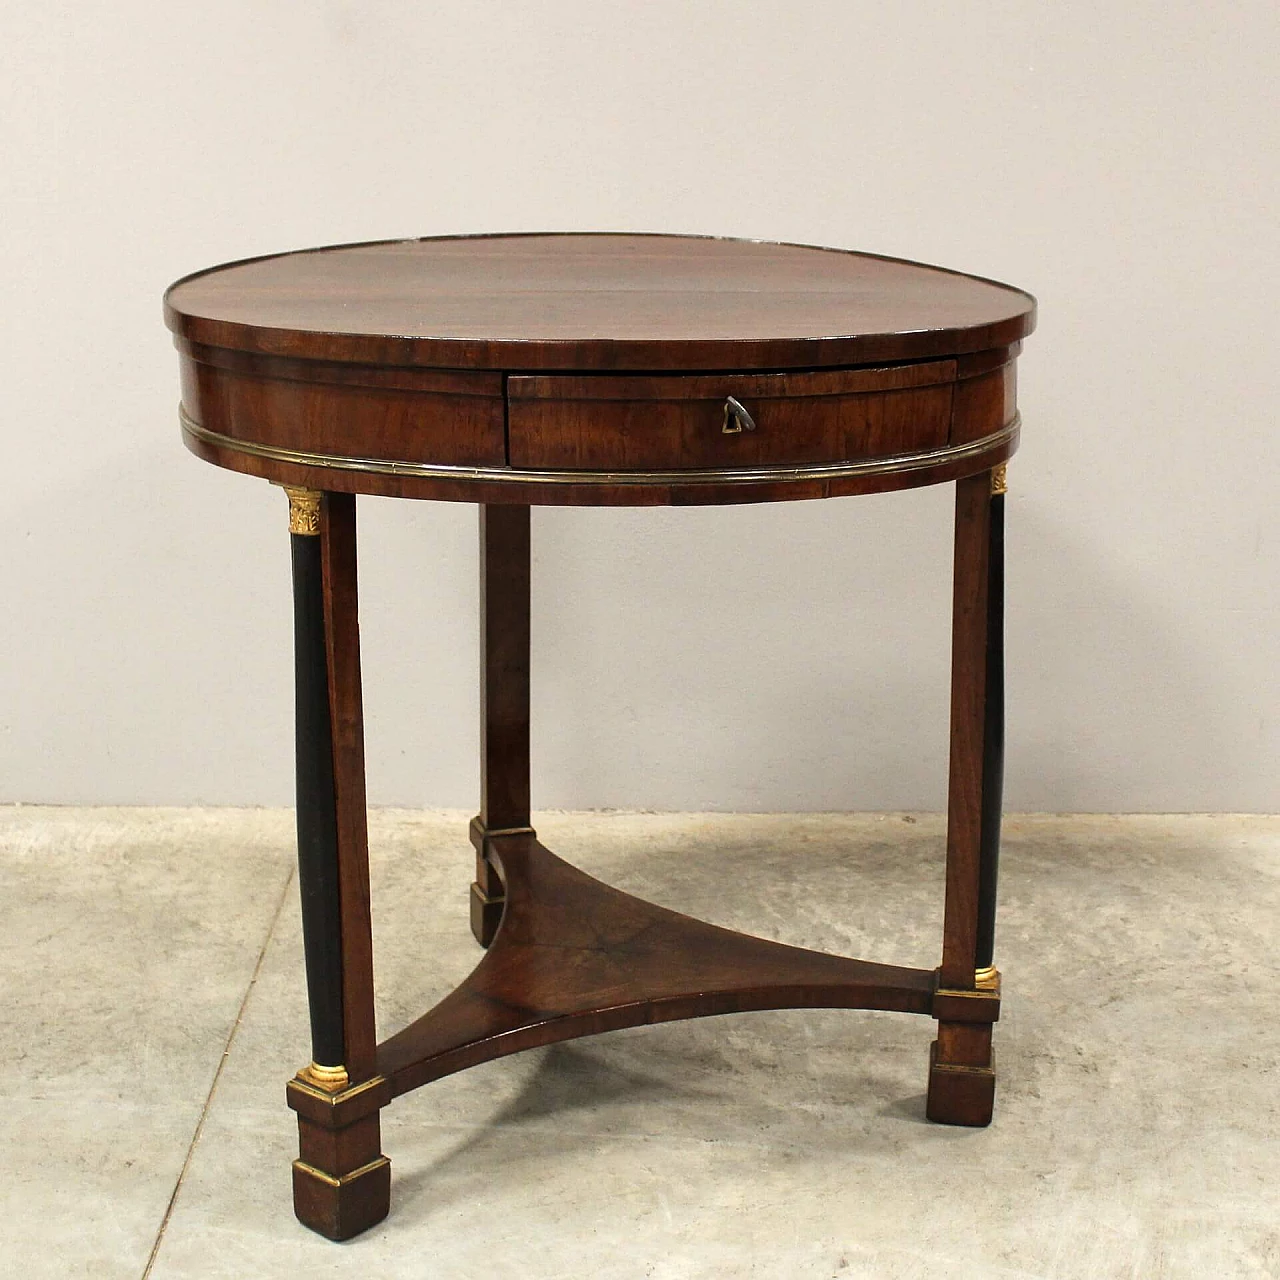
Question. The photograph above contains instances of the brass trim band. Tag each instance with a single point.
(343, 1179)
(918, 461)
(342, 1098)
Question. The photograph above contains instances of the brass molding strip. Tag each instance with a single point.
(310, 1169)
(986, 995)
(918, 461)
(303, 1085)
(956, 1067)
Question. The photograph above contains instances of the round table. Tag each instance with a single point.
(611, 370)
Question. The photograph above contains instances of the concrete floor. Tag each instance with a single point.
(152, 977)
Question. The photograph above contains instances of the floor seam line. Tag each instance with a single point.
(217, 1076)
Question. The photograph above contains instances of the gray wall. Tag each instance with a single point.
(1117, 160)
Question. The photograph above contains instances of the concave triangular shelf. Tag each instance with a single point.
(574, 957)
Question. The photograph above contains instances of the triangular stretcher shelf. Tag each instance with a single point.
(574, 957)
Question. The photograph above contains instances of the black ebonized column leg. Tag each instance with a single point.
(317, 817)
(504, 704)
(992, 739)
(341, 1179)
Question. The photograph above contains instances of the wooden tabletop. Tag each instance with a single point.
(599, 368)
(589, 302)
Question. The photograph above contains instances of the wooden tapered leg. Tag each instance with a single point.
(961, 1067)
(341, 1179)
(992, 739)
(504, 704)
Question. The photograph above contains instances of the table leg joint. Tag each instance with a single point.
(981, 1004)
(488, 891)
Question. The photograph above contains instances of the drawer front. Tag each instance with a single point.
(680, 423)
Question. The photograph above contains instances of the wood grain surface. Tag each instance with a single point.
(594, 302)
(574, 957)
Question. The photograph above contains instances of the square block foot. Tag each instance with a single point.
(486, 915)
(342, 1207)
(959, 1094)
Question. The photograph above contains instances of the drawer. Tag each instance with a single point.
(674, 422)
